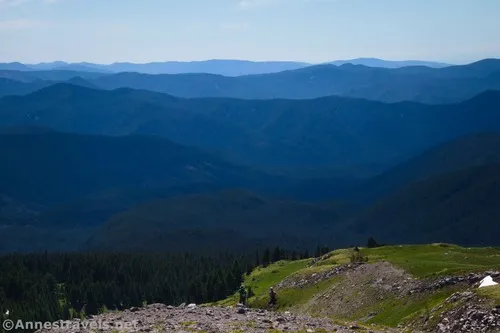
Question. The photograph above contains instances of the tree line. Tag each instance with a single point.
(53, 286)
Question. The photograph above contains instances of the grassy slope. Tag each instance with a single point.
(428, 260)
(421, 261)
(262, 278)
(492, 292)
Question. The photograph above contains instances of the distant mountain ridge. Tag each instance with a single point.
(216, 66)
(14, 66)
(13, 87)
(418, 83)
(319, 154)
(375, 62)
(226, 67)
(319, 132)
(53, 76)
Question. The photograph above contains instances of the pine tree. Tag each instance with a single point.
(266, 258)
(257, 259)
(372, 243)
(277, 255)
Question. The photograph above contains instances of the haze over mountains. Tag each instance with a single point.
(216, 66)
(321, 132)
(309, 154)
(374, 62)
(415, 83)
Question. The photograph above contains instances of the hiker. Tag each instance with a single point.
(272, 297)
(243, 294)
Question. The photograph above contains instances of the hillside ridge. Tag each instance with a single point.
(411, 288)
(388, 289)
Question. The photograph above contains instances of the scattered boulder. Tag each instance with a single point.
(191, 306)
(157, 306)
(241, 309)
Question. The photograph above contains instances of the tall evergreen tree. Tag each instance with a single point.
(266, 257)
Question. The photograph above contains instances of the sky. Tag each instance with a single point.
(106, 31)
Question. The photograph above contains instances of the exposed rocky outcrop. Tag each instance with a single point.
(469, 279)
(302, 281)
(471, 316)
(382, 276)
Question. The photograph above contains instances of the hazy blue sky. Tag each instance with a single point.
(105, 31)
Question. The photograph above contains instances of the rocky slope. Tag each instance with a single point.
(192, 318)
(471, 315)
(464, 311)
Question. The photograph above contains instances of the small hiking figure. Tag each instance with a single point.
(243, 294)
(272, 297)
